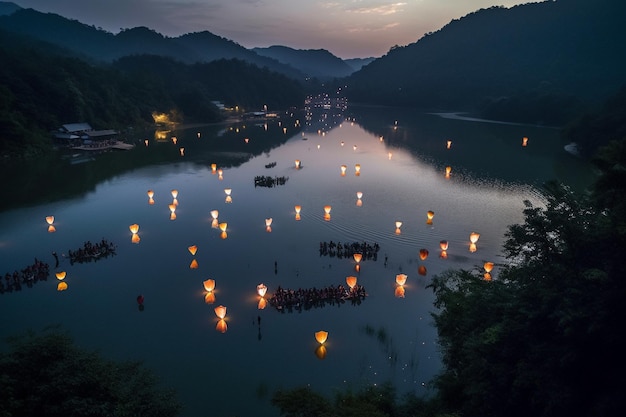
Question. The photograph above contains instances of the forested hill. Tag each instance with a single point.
(313, 62)
(531, 61)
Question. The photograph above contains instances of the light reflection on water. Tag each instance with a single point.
(384, 338)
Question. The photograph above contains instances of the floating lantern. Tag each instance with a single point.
(174, 140)
(182, 151)
(61, 275)
(474, 237)
(448, 170)
(342, 143)
(262, 303)
(135, 238)
(327, 209)
(192, 249)
(198, 135)
(343, 170)
(297, 164)
(357, 257)
(220, 311)
(298, 209)
(398, 226)
(223, 226)
(449, 144)
(357, 169)
(401, 279)
(359, 195)
(213, 168)
(321, 337)
(150, 193)
(62, 286)
(209, 297)
(320, 352)
(268, 222)
(399, 292)
(172, 207)
(50, 220)
(174, 194)
(443, 245)
(429, 216)
(488, 266)
(228, 191)
(284, 130)
(354, 147)
(351, 281)
(221, 326)
(261, 289)
(146, 142)
(524, 141)
(209, 285)
(134, 228)
(193, 264)
(247, 140)
(389, 155)
(423, 254)
(214, 214)
(421, 270)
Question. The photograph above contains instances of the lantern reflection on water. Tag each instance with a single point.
(209, 297)
(398, 226)
(193, 264)
(262, 303)
(62, 286)
(320, 352)
(399, 292)
(135, 238)
(221, 326)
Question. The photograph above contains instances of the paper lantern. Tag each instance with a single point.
(247, 140)
(150, 193)
(488, 266)
(220, 311)
(443, 245)
(268, 222)
(401, 279)
(343, 170)
(449, 144)
(214, 214)
(134, 228)
(261, 289)
(321, 337)
(297, 164)
(61, 275)
(174, 140)
(146, 142)
(421, 270)
(524, 141)
(135, 238)
(223, 226)
(50, 219)
(474, 237)
(193, 264)
(209, 297)
(182, 151)
(298, 209)
(398, 224)
(423, 254)
(62, 286)
(357, 169)
(209, 285)
(357, 257)
(430, 214)
(327, 209)
(174, 193)
(198, 135)
(227, 191)
(172, 207)
(213, 168)
(351, 281)
(359, 195)
(192, 249)
(221, 326)
(399, 292)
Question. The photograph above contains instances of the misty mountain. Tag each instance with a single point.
(531, 61)
(358, 63)
(317, 63)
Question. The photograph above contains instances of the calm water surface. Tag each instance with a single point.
(402, 176)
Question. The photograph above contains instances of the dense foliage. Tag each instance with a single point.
(48, 375)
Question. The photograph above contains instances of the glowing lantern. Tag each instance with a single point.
(193, 264)
(247, 140)
(150, 194)
(321, 337)
(172, 207)
(524, 141)
(172, 216)
(398, 226)
(421, 270)
(320, 352)
(209, 297)
(389, 155)
(223, 226)
(357, 169)
(423, 254)
(401, 279)
(220, 172)
(284, 130)
(472, 247)
(357, 257)
(261, 289)
(488, 266)
(448, 170)
(342, 143)
(221, 326)
(209, 285)
(135, 238)
(134, 228)
(192, 249)
(297, 164)
(443, 245)
(474, 237)
(182, 151)
(50, 219)
(343, 170)
(298, 209)
(227, 191)
(399, 292)
(327, 209)
(351, 281)
(268, 222)
(262, 303)
(146, 142)
(223, 235)
(61, 275)
(487, 276)
(214, 214)
(220, 311)
(354, 147)
(62, 286)
(174, 194)
(429, 216)
(198, 135)
(359, 195)
(174, 139)
(213, 168)
(51, 229)
(449, 144)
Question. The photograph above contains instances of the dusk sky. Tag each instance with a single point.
(347, 28)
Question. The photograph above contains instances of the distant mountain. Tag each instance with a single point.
(358, 63)
(525, 61)
(313, 62)
(7, 8)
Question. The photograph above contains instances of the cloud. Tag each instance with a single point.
(376, 9)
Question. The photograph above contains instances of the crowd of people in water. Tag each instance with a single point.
(285, 299)
(269, 181)
(91, 251)
(347, 250)
(38, 271)
(270, 165)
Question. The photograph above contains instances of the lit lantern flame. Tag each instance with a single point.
(401, 279)
(223, 226)
(198, 135)
(357, 169)
(423, 254)
(320, 352)
(261, 289)
(429, 216)
(61, 275)
(357, 257)
(174, 140)
(449, 144)
(321, 336)
(524, 141)
(474, 237)
(472, 247)
(297, 164)
(298, 209)
(51, 229)
(262, 303)
(399, 292)
(268, 222)
(448, 170)
(443, 245)
(174, 194)
(134, 228)
(209, 285)
(359, 195)
(343, 170)
(146, 142)
(213, 168)
(209, 297)
(50, 219)
(62, 286)
(221, 326)
(150, 193)
(487, 276)
(182, 151)
(398, 224)
(488, 266)
(192, 249)
(220, 311)
(351, 281)
(193, 264)
(327, 209)
(421, 270)
(135, 238)
(228, 191)
(214, 214)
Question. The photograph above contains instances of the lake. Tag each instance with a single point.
(396, 158)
